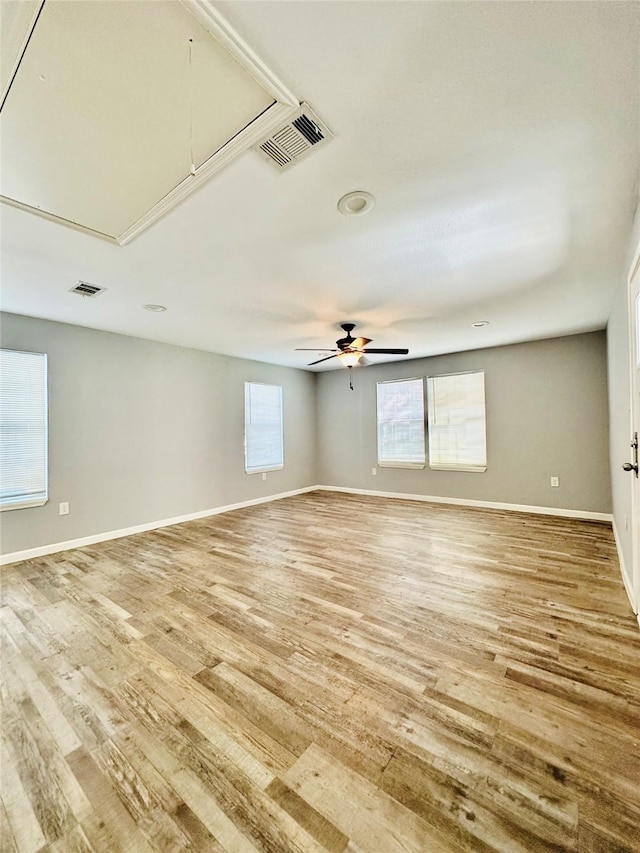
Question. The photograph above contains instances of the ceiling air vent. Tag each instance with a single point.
(86, 289)
(296, 139)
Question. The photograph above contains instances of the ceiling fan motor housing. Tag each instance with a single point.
(345, 343)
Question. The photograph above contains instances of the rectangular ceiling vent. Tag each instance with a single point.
(296, 139)
(86, 289)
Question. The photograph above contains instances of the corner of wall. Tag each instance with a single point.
(316, 428)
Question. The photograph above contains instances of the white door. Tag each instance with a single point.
(632, 465)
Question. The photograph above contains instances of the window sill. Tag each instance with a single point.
(415, 465)
(23, 504)
(264, 470)
(472, 469)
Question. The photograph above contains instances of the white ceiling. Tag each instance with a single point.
(501, 141)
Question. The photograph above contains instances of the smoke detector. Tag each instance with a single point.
(295, 140)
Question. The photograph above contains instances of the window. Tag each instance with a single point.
(263, 441)
(23, 429)
(401, 424)
(457, 429)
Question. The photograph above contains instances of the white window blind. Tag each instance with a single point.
(401, 424)
(457, 423)
(263, 438)
(23, 429)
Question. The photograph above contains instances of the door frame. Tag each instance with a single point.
(633, 293)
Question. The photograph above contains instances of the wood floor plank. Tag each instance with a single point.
(49, 803)
(359, 808)
(329, 836)
(455, 809)
(195, 794)
(116, 818)
(7, 838)
(459, 679)
(21, 816)
(267, 711)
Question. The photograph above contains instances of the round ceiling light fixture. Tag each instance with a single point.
(157, 309)
(356, 203)
(479, 324)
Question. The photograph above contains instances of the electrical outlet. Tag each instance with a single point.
(63, 508)
(264, 475)
(374, 472)
(555, 482)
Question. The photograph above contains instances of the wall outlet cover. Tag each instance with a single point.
(555, 482)
(63, 508)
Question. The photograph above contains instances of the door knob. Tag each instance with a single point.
(633, 466)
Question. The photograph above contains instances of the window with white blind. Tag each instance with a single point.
(401, 424)
(263, 435)
(457, 422)
(23, 429)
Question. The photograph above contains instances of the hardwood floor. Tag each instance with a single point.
(326, 672)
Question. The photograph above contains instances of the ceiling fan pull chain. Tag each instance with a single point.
(351, 377)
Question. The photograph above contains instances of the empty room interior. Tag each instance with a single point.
(320, 401)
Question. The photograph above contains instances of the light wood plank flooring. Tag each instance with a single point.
(326, 672)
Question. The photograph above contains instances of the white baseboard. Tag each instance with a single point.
(54, 548)
(43, 550)
(623, 569)
(585, 515)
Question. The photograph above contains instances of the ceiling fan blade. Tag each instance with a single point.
(358, 343)
(321, 359)
(387, 351)
(315, 349)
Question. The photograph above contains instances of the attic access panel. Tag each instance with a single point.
(112, 102)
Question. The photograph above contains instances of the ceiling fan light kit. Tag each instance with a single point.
(349, 350)
(349, 359)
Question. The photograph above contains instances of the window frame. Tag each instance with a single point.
(265, 468)
(417, 466)
(21, 501)
(454, 466)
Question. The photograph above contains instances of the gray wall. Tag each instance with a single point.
(141, 431)
(620, 407)
(546, 415)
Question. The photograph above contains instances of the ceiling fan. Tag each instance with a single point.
(350, 350)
